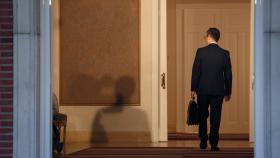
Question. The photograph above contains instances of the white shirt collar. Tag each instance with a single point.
(213, 43)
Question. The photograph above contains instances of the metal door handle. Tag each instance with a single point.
(163, 80)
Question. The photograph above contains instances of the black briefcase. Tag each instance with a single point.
(192, 113)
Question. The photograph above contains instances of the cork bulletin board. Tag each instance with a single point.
(99, 52)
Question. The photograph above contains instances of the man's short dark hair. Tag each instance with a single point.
(214, 33)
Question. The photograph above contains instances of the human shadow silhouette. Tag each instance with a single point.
(124, 88)
(116, 117)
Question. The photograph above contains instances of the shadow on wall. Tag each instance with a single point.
(113, 122)
(112, 117)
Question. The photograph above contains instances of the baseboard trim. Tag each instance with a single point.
(194, 136)
(85, 136)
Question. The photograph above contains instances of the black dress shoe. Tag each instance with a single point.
(203, 145)
(214, 148)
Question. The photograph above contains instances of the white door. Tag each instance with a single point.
(233, 20)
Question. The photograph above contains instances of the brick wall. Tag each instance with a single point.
(6, 78)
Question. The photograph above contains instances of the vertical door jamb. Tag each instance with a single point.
(163, 70)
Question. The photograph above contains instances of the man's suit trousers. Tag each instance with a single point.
(215, 103)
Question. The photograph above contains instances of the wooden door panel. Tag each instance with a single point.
(195, 24)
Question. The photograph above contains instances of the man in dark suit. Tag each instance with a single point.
(211, 82)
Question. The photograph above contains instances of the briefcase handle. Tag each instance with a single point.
(193, 98)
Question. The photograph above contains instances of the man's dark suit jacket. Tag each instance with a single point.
(211, 73)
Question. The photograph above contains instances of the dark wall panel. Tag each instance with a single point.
(99, 52)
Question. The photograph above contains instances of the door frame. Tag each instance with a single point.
(159, 101)
(23, 33)
(163, 121)
(45, 80)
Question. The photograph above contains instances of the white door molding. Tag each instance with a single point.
(155, 73)
(26, 74)
(45, 80)
(159, 66)
(261, 95)
(251, 85)
(32, 103)
(163, 133)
